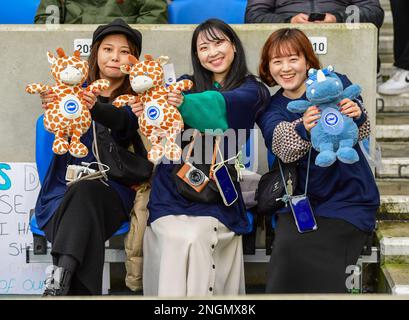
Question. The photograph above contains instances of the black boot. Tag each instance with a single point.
(49, 289)
(58, 283)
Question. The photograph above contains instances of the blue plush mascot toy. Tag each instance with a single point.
(335, 134)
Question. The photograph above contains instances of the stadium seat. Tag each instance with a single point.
(44, 155)
(197, 11)
(18, 12)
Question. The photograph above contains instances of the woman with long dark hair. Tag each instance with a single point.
(194, 247)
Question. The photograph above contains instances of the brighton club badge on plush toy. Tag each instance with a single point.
(68, 116)
(335, 134)
(159, 120)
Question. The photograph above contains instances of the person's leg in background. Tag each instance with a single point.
(399, 82)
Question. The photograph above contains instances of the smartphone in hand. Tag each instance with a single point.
(316, 16)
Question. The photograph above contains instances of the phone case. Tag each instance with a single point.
(303, 215)
(225, 181)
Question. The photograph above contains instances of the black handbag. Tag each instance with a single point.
(210, 193)
(125, 167)
(271, 189)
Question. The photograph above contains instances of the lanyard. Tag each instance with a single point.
(286, 197)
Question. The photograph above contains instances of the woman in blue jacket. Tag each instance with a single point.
(344, 197)
(77, 220)
(194, 248)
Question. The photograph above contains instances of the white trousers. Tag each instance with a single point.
(192, 256)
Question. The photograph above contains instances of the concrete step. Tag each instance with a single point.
(397, 132)
(386, 57)
(398, 103)
(387, 70)
(387, 26)
(385, 44)
(393, 237)
(394, 279)
(393, 187)
(392, 119)
(394, 199)
(394, 168)
(393, 207)
(386, 5)
(394, 149)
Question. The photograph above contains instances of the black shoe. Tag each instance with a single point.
(57, 282)
(49, 281)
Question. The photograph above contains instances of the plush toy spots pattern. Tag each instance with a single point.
(67, 116)
(159, 119)
(335, 133)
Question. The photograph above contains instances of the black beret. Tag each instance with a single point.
(118, 26)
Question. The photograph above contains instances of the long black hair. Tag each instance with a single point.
(203, 78)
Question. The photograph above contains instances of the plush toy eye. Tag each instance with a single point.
(312, 91)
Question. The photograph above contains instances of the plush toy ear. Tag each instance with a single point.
(125, 68)
(132, 59)
(148, 57)
(163, 60)
(51, 58)
(77, 54)
(61, 53)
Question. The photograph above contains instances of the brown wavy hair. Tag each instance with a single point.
(125, 87)
(284, 42)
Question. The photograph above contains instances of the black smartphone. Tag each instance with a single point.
(316, 16)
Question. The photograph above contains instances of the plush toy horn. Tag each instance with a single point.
(320, 76)
(61, 53)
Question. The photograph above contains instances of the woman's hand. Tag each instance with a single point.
(350, 108)
(310, 117)
(47, 97)
(175, 98)
(136, 106)
(300, 18)
(90, 98)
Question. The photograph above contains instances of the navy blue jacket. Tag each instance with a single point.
(340, 191)
(243, 104)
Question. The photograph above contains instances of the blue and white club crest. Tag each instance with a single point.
(70, 107)
(153, 112)
(332, 121)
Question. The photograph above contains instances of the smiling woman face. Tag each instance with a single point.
(112, 53)
(289, 71)
(215, 55)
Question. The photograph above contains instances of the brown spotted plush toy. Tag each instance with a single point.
(68, 116)
(159, 119)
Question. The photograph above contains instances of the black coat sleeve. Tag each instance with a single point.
(263, 11)
(122, 121)
(369, 11)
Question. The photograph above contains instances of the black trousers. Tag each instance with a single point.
(88, 216)
(400, 14)
(313, 262)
